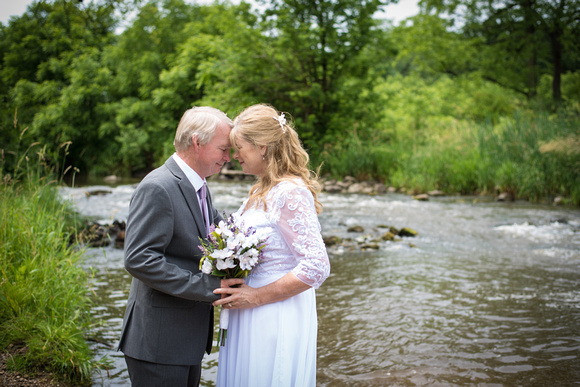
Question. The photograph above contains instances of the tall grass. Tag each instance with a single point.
(354, 157)
(44, 293)
(533, 156)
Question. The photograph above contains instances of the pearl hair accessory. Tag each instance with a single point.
(282, 121)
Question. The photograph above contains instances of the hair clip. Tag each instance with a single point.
(282, 121)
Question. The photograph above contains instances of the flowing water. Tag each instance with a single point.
(486, 294)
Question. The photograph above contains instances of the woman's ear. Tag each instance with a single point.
(263, 150)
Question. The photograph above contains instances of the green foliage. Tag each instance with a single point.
(570, 89)
(52, 76)
(299, 59)
(433, 48)
(529, 156)
(44, 299)
(538, 153)
(414, 104)
(423, 105)
(520, 40)
(161, 66)
(352, 158)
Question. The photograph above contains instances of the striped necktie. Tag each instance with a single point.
(203, 205)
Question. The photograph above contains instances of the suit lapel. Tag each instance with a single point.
(189, 194)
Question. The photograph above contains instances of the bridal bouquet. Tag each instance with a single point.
(231, 251)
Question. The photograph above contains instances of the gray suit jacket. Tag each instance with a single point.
(169, 316)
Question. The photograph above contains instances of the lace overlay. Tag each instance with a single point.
(294, 239)
(275, 344)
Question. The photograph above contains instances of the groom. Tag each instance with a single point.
(168, 323)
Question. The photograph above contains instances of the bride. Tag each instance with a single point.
(273, 323)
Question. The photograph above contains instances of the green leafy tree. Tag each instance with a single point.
(132, 122)
(192, 68)
(155, 68)
(429, 46)
(320, 43)
(44, 56)
(523, 39)
(299, 57)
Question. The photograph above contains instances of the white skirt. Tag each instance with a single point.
(271, 345)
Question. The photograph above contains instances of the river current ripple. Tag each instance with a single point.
(487, 294)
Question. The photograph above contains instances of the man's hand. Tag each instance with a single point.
(231, 282)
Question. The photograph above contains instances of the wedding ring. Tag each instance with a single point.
(229, 304)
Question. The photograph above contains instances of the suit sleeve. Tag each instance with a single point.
(150, 232)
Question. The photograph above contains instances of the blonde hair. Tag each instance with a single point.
(285, 157)
(200, 121)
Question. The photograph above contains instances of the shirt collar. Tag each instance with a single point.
(192, 176)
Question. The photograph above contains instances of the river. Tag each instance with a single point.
(487, 293)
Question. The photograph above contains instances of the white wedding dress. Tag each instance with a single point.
(275, 344)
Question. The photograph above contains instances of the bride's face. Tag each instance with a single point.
(250, 157)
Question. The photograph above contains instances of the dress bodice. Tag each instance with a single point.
(294, 240)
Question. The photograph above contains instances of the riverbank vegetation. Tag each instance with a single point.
(44, 292)
(535, 156)
(464, 97)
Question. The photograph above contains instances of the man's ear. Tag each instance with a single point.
(194, 141)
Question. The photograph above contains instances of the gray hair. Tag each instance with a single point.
(200, 121)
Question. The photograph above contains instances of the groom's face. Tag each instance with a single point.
(216, 152)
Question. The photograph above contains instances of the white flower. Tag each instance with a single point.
(250, 241)
(207, 267)
(245, 265)
(222, 254)
(230, 243)
(249, 259)
(223, 264)
(235, 241)
(281, 121)
(221, 227)
(253, 253)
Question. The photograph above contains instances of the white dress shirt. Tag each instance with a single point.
(195, 180)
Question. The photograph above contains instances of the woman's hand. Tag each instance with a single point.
(240, 297)
(246, 296)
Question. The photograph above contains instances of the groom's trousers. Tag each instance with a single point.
(146, 374)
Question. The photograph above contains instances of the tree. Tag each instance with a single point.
(433, 48)
(155, 67)
(315, 46)
(530, 37)
(42, 53)
(132, 122)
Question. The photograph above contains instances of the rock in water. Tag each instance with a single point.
(406, 231)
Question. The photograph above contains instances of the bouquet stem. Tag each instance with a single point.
(224, 322)
(223, 336)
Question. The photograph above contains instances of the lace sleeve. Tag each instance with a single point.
(300, 228)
